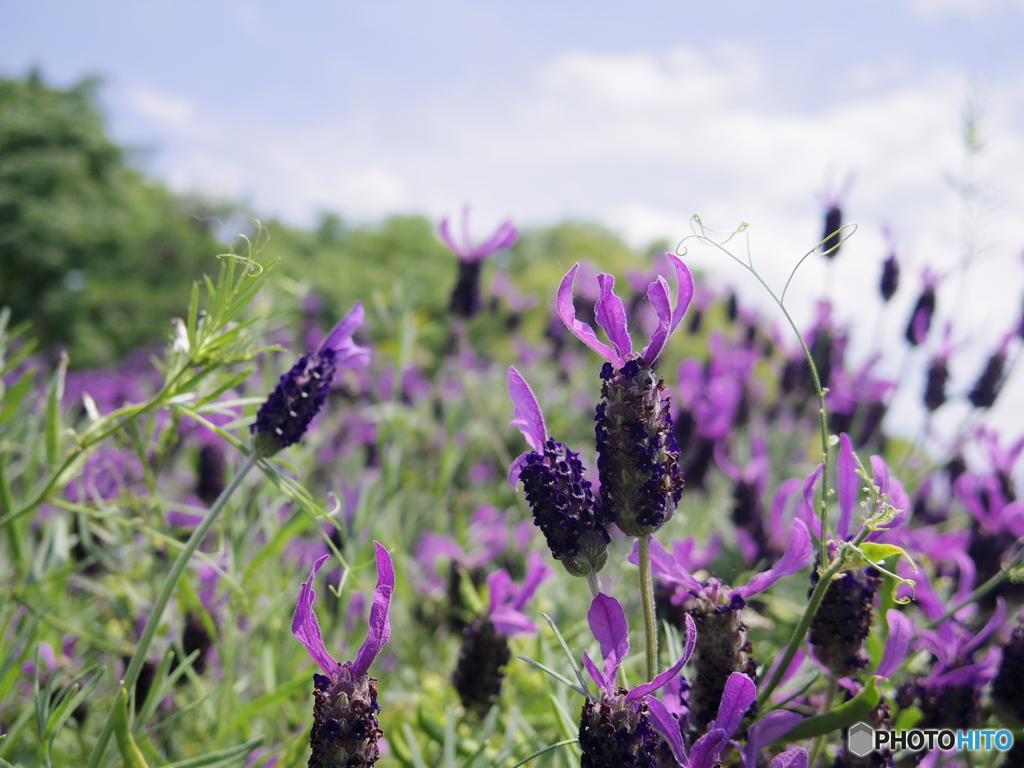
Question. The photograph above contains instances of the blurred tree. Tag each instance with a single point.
(98, 258)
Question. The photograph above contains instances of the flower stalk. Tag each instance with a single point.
(647, 607)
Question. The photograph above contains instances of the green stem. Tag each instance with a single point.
(800, 632)
(131, 675)
(984, 589)
(647, 605)
(830, 699)
(594, 582)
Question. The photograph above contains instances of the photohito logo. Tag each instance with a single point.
(862, 739)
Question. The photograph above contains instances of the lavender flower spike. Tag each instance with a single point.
(345, 729)
(300, 394)
(465, 300)
(557, 490)
(620, 728)
(638, 457)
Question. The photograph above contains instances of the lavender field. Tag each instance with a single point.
(604, 517)
(303, 463)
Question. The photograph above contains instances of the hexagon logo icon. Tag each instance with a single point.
(860, 739)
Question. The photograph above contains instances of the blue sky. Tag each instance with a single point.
(740, 110)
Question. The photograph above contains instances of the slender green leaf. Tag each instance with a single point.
(843, 716)
(221, 758)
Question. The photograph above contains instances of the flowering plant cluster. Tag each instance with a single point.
(749, 562)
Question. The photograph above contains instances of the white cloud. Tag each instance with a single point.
(173, 110)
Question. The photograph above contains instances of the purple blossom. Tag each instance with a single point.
(889, 488)
(465, 299)
(556, 488)
(507, 599)
(485, 648)
(307, 629)
(737, 697)
(345, 729)
(722, 643)
(619, 727)
(611, 314)
(503, 237)
(665, 566)
(283, 419)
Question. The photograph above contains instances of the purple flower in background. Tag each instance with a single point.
(738, 694)
(722, 644)
(465, 301)
(283, 419)
(621, 727)
(921, 318)
(843, 620)
(556, 488)
(345, 729)
(832, 238)
(638, 457)
(485, 650)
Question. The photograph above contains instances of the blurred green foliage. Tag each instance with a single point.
(100, 259)
(95, 256)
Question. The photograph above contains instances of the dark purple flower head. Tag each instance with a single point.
(283, 419)
(924, 309)
(345, 729)
(556, 488)
(1007, 693)
(619, 727)
(986, 389)
(890, 270)
(485, 649)
(638, 457)
(831, 237)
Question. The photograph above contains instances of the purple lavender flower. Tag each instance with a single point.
(299, 396)
(465, 301)
(832, 238)
(986, 389)
(890, 270)
(706, 751)
(950, 694)
(621, 727)
(638, 458)
(843, 620)
(722, 644)
(485, 650)
(556, 488)
(345, 729)
(921, 318)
